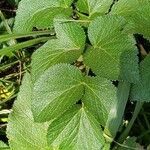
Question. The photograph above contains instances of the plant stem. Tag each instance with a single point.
(7, 37)
(125, 133)
(13, 48)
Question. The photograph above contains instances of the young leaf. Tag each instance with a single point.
(99, 97)
(77, 129)
(55, 91)
(92, 7)
(40, 14)
(67, 48)
(113, 54)
(141, 90)
(22, 131)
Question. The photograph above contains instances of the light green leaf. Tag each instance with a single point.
(3, 146)
(99, 97)
(77, 129)
(67, 48)
(141, 90)
(39, 14)
(113, 54)
(92, 7)
(22, 132)
(136, 13)
(55, 91)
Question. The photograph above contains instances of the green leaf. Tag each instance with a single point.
(99, 97)
(113, 54)
(39, 14)
(67, 48)
(136, 13)
(61, 88)
(77, 129)
(3, 146)
(92, 7)
(141, 90)
(22, 131)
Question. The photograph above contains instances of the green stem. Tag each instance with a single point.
(116, 113)
(125, 133)
(23, 35)
(13, 48)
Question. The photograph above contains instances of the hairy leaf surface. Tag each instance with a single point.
(113, 54)
(67, 48)
(77, 129)
(55, 91)
(141, 90)
(22, 131)
(39, 14)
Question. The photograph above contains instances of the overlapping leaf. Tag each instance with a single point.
(137, 14)
(55, 91)
(77, 129)
(22, 131)
(67, 48)
(39, 14)
(113, 54)
(141, 90)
